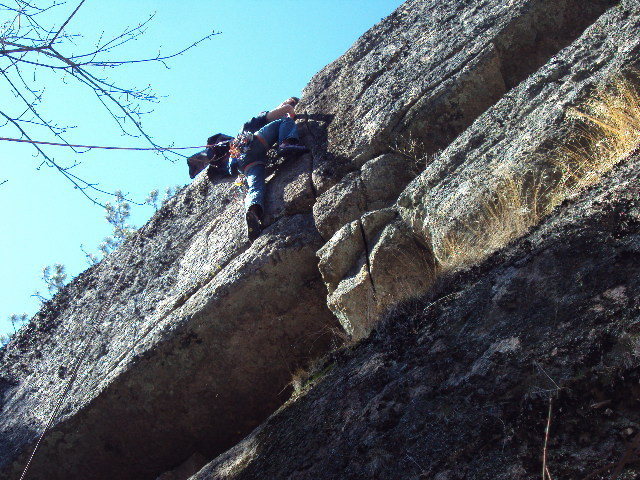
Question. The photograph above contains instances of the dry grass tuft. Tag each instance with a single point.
(414, 150)
(506, 213)
(605, 131)
(304, 379)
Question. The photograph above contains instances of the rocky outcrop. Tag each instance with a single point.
(370, 264)
(512, 139)
(420, 78)
(195, 346)
(186, 338)
(462, 383)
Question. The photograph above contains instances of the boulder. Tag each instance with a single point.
(371, 264)
(376, 186)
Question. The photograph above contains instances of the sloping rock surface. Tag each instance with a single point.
(512, 139)
(457, 385)
(186, 338)
(417, 80)
(462, 383)
(194, 346)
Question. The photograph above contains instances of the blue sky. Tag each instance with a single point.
(267, 50)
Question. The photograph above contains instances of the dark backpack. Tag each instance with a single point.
(215, 155)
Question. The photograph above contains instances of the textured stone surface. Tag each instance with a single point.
(203, 332)
(376, 186)
(457, 384)
(429, 85)
(384, 177)
(371, 264)
(400, 266)
(341, 204)
(427, 72)
(515, 135)
(340, 254)
(196, 349)
(512, 136)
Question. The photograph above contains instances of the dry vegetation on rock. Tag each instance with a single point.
(605, 131)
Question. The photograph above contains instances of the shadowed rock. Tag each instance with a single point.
(457, 385)
(196, 348)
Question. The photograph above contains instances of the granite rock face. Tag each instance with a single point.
(424, 74)
(517, 136)
(370, 264)
(195, 346)
(187, 336)
(511, 140)
(457, 384)
(461, 382)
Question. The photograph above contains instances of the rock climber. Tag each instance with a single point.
(246, 154)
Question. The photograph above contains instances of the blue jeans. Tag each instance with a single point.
(255, 185)
(254, 166)
(279, 130)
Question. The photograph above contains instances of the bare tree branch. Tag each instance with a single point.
(31, 43)
(77, 182)
(66, 22)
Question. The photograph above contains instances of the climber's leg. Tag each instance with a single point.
(285, 132)
(255, 181)
(254, 201)
(288, 131)
(288, 140)
(281, 130)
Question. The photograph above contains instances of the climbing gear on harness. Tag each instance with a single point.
(238, 150)
(241, 180)
(240, 145)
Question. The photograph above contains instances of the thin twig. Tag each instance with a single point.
(65, 23)
(422, 470)
(27, 43)
(548, 473)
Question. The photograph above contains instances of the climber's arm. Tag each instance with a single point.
(284, 110)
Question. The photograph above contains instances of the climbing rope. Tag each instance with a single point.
(76, 367)
(103, 147)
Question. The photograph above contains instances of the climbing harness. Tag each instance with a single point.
(241, 187)
(239, 146)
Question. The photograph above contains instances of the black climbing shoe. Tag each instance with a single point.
(289, 150)
(254, 225)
